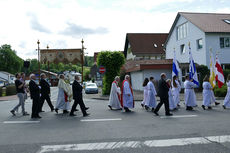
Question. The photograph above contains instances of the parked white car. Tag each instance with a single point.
(91, 88)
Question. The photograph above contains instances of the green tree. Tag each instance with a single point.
(113, 62)
(203, 70)
(9, 60)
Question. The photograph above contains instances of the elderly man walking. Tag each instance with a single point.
(127, 100)
(114, 98)
(163, 94)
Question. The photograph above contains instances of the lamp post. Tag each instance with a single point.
(39, 71)
(48, 65)
(82, 59)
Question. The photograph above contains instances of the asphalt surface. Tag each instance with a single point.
(56, 130)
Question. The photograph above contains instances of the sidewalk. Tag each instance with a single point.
(8, 98)
(138, 96)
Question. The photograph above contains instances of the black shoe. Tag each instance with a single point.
(189, 108)
(65, 112)
(209, 107)
(86, 108)
(203, 107)
(56, 110)
(142, 105)
(52, 110)
(25, 114)
(38, 116)
(224, 106)
(72, 114)
(13, 112)
(76, 110)
(168, 114)
(152, 109)
(216, 103)
(41, 111)
(156, 113)
(146, 107)
(110, 107)
(178, 105)
(86, 115)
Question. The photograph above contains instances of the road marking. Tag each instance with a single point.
(101, 120)
(179, 116)
(135, 144)
(20, 122)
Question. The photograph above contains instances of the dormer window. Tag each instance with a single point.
(155, 45)
(227, 21)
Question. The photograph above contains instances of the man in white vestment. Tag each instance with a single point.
(114, 98)
(151, 98)
(190, 97)
(207, 95)
(64, 95)
(127, 100)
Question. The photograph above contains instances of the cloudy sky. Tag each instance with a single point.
(103, 24)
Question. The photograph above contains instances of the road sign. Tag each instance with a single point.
(102, 69)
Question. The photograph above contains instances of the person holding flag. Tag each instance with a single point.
(127, 100)
(207, 88)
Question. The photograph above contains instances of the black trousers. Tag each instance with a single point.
(35, 107)
(47, 98)
(82, 106)
(164, 101)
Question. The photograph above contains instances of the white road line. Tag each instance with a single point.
(20, 122)
(179, 116)
(101, 120)
(135, 144)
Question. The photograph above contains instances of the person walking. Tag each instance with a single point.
(172, 103)
(145, 95)
(21, 94)
(176, 87)
(151, 98)
(227, 97)
(163, 94)
(35, 96)
(115, 92)
(127, 100)
(207, 95)
(45, 93)
(77, 96)
(189, 94)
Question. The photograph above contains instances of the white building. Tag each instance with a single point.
(6, 77)
(145, 57)
(203, 31)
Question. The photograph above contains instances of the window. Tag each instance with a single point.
(182, 31)
(224, 42)
(199, 43)
(227, 21)
(182, 49)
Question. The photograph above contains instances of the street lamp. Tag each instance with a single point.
(39, 71)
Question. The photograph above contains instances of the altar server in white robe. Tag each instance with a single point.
(207, 95)
(145, 94)
(172, 103)
(151, 99)
(64, 95)
(190, 97)
(176, 88)
(227, 97)
(127, 100)
(115, 98)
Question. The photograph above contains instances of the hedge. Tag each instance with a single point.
(0, 91)
(10, 90)
(220, 92)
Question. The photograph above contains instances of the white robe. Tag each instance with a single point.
(151, 98)
(190, 97)
(176, 92)
(145, 95)
(227, 97)
(172, 103)
(127, 100)
(113, 98)
(207, 95)
(61, 104)
(213, 99)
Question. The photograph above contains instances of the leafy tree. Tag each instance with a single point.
(113, 62)
(203, 70)
(9, 60)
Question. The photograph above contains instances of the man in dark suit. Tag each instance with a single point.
(35, 96)
(163, 89)
(45, 93)
(77, 96)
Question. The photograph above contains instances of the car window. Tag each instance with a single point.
(91, 85)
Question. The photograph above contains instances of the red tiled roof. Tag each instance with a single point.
(137, 65)
(143, 43)
(208, 22)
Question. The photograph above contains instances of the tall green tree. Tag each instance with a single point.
(113, 62)
(9, 61)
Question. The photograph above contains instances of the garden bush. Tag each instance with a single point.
(10, 90)
(220, 92)
(0, 91)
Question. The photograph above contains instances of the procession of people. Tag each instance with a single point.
(121, 97)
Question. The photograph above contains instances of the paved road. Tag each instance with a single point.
(114, 131)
